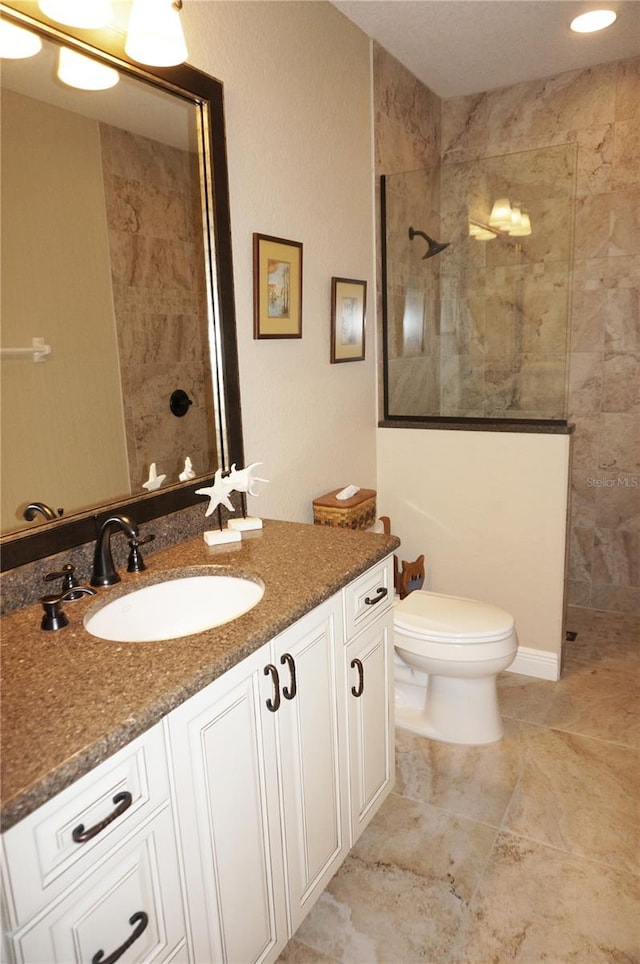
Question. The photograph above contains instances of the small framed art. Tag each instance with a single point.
(277, 287)
(348, 305)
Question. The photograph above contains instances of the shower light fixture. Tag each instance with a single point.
(593, 20)
(16, 42)
(155, 35)
(76, 70)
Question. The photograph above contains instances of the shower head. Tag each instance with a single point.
(435, 247)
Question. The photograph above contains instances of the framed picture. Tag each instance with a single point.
(348, 304)
(277, 287)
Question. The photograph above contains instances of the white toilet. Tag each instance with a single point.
(449, 651)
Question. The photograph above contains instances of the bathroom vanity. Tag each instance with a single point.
(188, 800)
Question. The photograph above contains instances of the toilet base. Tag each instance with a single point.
(455, 710)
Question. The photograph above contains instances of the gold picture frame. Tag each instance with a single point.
(348, 311)
(277, 287)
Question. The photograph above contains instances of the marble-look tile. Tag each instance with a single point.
(588, 318)
(585, 383)
(616, 599)
(472, 781)
(621, 382)
(578, 795)
(626, 170)
(536, 904)
(581, 553)
(627, 89)
(616, 557)
(298, 953)
(524, 698)
(619, 444)
(618, 505)
(401, 892)
(622, 319)
(598, 701)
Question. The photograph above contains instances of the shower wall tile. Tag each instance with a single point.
(621, 382)
(595, 112)
(153, 207)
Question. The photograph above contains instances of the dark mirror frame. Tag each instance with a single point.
(107, 45)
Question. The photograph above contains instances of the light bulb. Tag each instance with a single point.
(76, 70)
(155, 34)
(87, 14)
(593, 20)
(500, 216)
(16, 42)
(523, 229)
(516, 219)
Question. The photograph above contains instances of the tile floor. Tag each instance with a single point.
(526, 850)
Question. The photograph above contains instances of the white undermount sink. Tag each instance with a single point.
(174, 608)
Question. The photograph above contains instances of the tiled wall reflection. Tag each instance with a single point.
(155, 234)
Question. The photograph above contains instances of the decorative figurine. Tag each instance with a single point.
(187, 473)
(243, 481)
(154, 481)
(218, 494)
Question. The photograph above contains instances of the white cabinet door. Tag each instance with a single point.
(130, 906)
(222, 744)
(369, 673)
(312, 753)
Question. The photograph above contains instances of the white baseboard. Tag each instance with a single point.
(536, 662)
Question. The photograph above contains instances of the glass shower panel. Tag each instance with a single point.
(480, 329)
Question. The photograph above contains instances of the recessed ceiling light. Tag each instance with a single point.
(593, 20)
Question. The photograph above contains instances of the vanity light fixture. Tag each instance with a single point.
(500, 216)
(593, 20)
(16, 42)
(481, 232)
(155, 35)
(88, 14)
(76, 70)
(521, 229)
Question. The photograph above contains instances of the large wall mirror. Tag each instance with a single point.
(116, 254)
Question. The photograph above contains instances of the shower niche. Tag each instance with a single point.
(476, 287)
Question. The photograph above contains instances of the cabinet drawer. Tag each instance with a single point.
(368, 597)
(40, 851)
(132, 899)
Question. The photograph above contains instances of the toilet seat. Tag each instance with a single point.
(451, 619)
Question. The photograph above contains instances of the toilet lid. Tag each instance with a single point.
(443, 618)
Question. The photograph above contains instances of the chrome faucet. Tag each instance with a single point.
(104, 571)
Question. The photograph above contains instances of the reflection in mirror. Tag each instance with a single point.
(108, 257)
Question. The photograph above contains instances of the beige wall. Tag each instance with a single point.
(69, 414)
(488, 510)
(299, 139)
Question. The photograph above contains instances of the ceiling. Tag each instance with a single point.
(467, 46)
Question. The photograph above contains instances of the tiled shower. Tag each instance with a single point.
(593, 112)
(481, 329)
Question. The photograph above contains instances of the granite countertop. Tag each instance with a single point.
(70, 700)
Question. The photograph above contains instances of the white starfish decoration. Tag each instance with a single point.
(154, 481)
(218, 493)
(243, 480)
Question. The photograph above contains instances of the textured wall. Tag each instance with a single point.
(598, 110)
